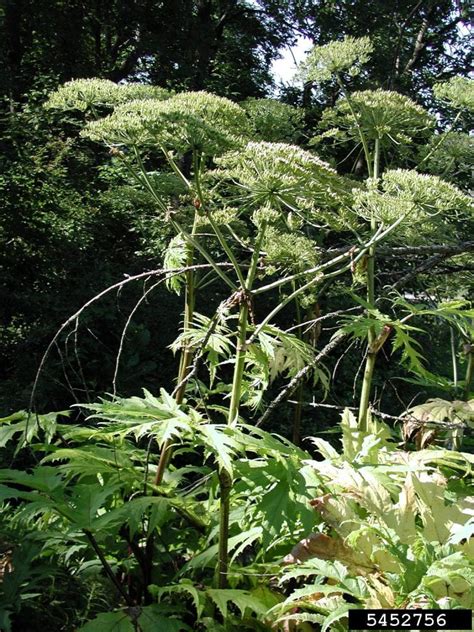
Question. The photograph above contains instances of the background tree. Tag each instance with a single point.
(415, 42)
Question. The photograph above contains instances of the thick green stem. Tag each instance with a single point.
(189, 302)
(186, 354)
(225, 480)
(239, 364)
(362, 137)
(225, 487)
(371, 351)
(366, 388)
(296, 435)
(453, 357)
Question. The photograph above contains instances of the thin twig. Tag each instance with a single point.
(378, 413)
(320, 318)
(396, 251)
(109, 572)
(423, 267)
(300, 376)
(124, 332)
(94, 299)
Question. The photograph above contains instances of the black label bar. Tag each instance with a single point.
(416, 619)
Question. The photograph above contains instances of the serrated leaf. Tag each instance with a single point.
(247, 539)
(409, 348)
(241, 598)
(133, 513)
(337, 615)
(44, 478)
(333, 570)
(30, 426)
(459, 533)
(86, 502)
(185, 588)
(273, 507)
(208, 557)
(90, 460)
(219, 440)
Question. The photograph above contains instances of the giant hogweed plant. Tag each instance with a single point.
(223, 498)
(383, 126)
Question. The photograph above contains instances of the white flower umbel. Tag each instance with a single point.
(458, 92)
(348, 55)
(188, 121)
(282, 180)
(82, 94)
(388, 116)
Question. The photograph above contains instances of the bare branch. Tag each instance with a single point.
(447, 425)
(429, 263)
(300, 376)
(393, 251)
(143, 275)
(125, 329)
(419, 43)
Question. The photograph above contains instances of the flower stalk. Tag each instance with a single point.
(372, 349)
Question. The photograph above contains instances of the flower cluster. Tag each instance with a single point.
(276, 179)
(346, 56)
(389, 116)
(424, 199)
(450, 156)
(82, 94)
(191, 120)
(458, 92)
(292, 251)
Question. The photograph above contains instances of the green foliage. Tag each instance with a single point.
(158, 495)
(385, 549)
(148, 619)
(274, 121)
